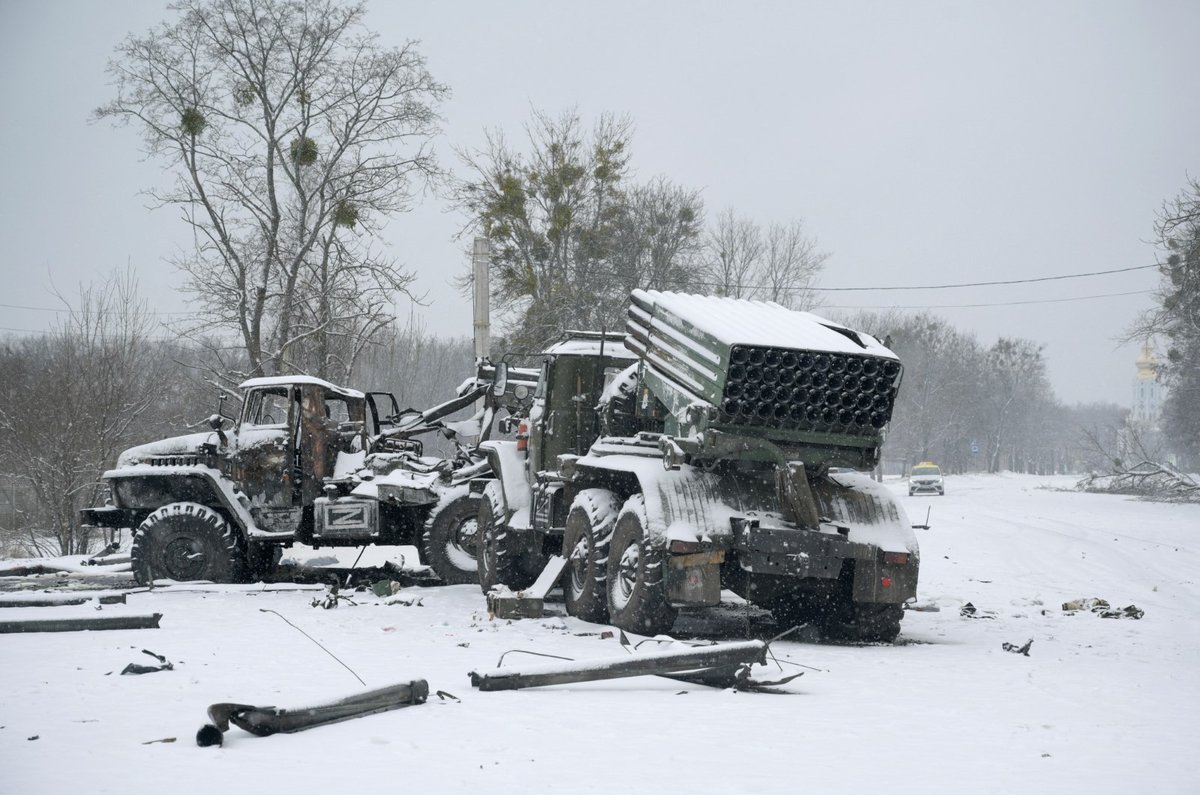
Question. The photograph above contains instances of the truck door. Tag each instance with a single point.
(331, 422)
(264, 461)
(382, 411)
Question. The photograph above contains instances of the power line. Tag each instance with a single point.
(47, 331)
(943, 286)
(69, 309)
(989, 284)
(999, 303)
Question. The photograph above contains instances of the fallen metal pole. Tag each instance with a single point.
(654, 663)
(52, 600)
(82, 624)
(265, 721)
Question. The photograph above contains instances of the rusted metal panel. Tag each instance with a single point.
(261, 464)
(315, 455)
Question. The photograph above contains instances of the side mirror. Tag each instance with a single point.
(500, 381)
(217, 423)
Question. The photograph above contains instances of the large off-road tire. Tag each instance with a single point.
(505, 556)
(637, 588)
(448, 543)
(866, 623)
(186, 541)
(586, 540)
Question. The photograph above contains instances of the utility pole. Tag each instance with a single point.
(480, 257)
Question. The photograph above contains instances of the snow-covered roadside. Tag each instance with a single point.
(1099, 705)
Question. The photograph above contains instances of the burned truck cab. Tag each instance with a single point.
(287, 440)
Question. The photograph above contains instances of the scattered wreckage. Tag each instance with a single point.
(722, 665)
(305, 461)
(265, 721)
(714, 665)
(722, 443)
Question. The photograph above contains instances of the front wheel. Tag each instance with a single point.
(186, 541)
(637, 589)
(586, 540)
(448, 543)
(505, 556)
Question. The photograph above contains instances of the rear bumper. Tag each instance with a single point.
(790, 554)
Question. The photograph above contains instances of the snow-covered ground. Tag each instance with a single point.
(1098, 706)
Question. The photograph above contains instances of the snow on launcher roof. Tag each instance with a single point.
(740, 321)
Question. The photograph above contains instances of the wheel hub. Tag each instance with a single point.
(487, 549)
(628, 571)
(580, 555)
(183, 559)
(464, 536)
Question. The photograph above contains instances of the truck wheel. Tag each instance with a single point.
(637, 590)
(505, 556)
(586, 540)
(867, 623)
(186, 541)
(448, 543)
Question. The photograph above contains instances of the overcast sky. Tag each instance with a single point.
(922, 143)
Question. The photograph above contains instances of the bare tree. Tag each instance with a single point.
(733, 254)
(740, 260)
(292, 136)
(655, 244)
(940, 389)
(791, 263)
(72, 400)
(1015, 387)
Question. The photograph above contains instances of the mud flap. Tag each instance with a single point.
(876, 582)
(695, 580)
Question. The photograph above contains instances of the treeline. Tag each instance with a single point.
(976, 408)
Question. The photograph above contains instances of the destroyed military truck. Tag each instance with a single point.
(713, 447)
(306, 461)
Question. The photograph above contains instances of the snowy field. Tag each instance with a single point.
(1098, 706)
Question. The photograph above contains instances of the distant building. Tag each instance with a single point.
(1148, 393)
(1142, 437)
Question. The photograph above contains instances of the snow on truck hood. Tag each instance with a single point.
(174, 445)
(738, 321)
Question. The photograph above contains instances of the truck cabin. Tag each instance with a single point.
(312, 419)
(572, 378)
